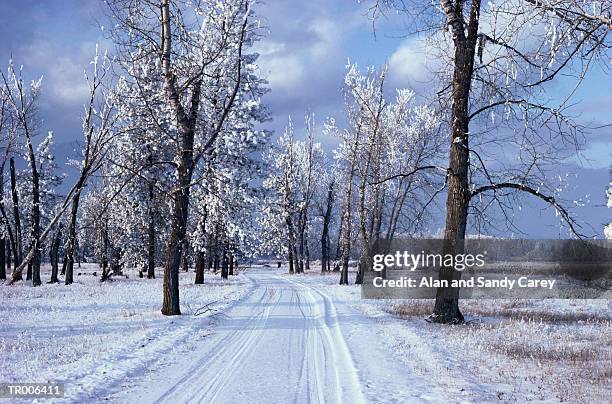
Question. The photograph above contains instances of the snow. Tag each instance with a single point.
(510, 350)
(97, 336)
(275, 337)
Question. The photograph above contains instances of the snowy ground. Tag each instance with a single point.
(301, 338)
(510, 350)
(97, 337)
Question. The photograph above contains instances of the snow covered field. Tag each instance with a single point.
(279, 338)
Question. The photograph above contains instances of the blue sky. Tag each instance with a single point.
(303, 57)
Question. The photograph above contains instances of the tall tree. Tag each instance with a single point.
(205, 75)
(503, 56)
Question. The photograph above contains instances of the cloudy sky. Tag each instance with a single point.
(303, 57)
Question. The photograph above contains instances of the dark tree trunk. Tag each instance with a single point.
(104, 256)
(5, 249)
(35, 232)
(200, 263)
(151, 236)
(210, 258)
(296, 263)
(216, 262)
(54, 254)
(344, 269)
(231, 265)
(78, 253)
(29, 271)
(171, 305)
(9, 254)
(291, 245)
(224, 265)
(71, 242)
(325, 234)
(360, 269)
(300, 243)
(185, 260)
(2, 259)
(185, 121)
(16, 218)
(290, 258)
(446, 309)
(64, 262)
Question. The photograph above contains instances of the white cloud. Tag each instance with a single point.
(409, 62)
(289, 64)
(329, 37)
(63, 69)
(283, 71)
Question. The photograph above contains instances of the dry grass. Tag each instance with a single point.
(513, 309)
(561, 352)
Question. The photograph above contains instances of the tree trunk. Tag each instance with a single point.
(3, 251)
(171, 305)
(35, 232)
(151, 236)
(290, 244)
(16, 217)
(185, 259)
(199, 267)
(64, 262)
(300, 246)
(325, 234)
(224, 265)
(231, 264)
(104, 255)
(54, 254)
(185, 125)
(306, 256)
(9, 254)
(2, 259)
(446, 309)
(71, 242)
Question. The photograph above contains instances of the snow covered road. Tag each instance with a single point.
(283, 343)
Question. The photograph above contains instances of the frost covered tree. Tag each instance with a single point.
(50, 180)
(280, 204)
(207, 77)
(386, 151)
(293, 166)
(138, 172)
(23, 100)
(99, 120)
(325, 202)
(496, 62)
(6, 234)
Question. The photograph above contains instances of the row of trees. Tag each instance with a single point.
(504, 134)
(173, 154)
(352, 197)
(170, 134)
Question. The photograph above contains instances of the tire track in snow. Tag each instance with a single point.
(217, 353)
(282, 344)
(347, 387)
